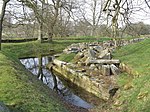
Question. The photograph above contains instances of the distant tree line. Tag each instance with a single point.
(62, 18)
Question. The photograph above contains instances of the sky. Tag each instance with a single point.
(143, 16)
(0, 5)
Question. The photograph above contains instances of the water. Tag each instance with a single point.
(37, 67)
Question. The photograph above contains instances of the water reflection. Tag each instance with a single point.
(37, 67)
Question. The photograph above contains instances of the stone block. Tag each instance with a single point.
(107, 56)
(115, 70)
(91, 53)
(98, 48)
(106, 70)
(103, 53)
(92, 67)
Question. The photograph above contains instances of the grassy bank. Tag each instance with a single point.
(34, 48)
(135, 89)
(136, 56)
(22, 91)
(19, 89)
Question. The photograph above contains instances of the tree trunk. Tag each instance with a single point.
(94, 18)
(93, 30)
(50, 36)
(40, 37)
(2, 14)
(56, 13)
(40, 32)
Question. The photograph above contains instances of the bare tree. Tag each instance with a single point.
(138, 29)
(2, 18)
(123, 11)
(90, 12)
(19, 21)
(55, 11)
(147, 3)
(37, 7)
(117, 11)
(47, 14)
(96, 15)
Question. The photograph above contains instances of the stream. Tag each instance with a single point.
(38, 67)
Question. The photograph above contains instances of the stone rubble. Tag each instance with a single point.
(93, 63)
(95, 55)
(93, 69)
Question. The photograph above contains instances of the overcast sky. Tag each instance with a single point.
(0, 5)
(138, 16)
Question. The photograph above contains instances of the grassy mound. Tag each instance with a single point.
(135, 92)
(136, 56)
(22, 91)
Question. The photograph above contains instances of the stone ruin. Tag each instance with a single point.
(93, 67)
(98, 55)
(95, 56)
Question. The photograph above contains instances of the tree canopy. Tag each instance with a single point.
(51, 18)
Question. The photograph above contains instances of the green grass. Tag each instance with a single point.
(29, 49)
(67, 57)
(137, 56)
(19, 89)
(23, 92)
(34, 48)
